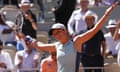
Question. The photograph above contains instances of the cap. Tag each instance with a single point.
(25, 2)
(56, 26)
(111, 23)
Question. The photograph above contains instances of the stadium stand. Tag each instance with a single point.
(11, 50)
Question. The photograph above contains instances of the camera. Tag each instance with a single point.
(27, 13)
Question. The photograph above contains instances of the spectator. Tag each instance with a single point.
(7, 34)
(29, 25)
(76, 23)
(21, 43)
(91, 54)
(49, 64)
(117, 31)
(117, 37)
(5, 59)
(65, 47)
(63, 10)
(42, 10)
(27, 60)
(111, 44)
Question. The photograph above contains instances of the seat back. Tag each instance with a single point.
(43, 36)
(11, 50)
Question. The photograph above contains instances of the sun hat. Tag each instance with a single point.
(25, 2)
(78, 1)
(111, 23)
(91, 13)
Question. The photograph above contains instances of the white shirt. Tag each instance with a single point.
(5, 58)
(28, 60)
(6, 37)
(111, 44)
(118, 55)
(77, 20)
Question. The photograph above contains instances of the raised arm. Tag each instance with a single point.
(37, 44)
(82, 38)
(44, 47)
(32, 19)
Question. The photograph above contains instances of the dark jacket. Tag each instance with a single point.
(64, 9)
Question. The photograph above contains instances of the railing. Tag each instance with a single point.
(114, 67)
(15, 70)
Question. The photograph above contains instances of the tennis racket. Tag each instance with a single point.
(12, 13)
(13, 16)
